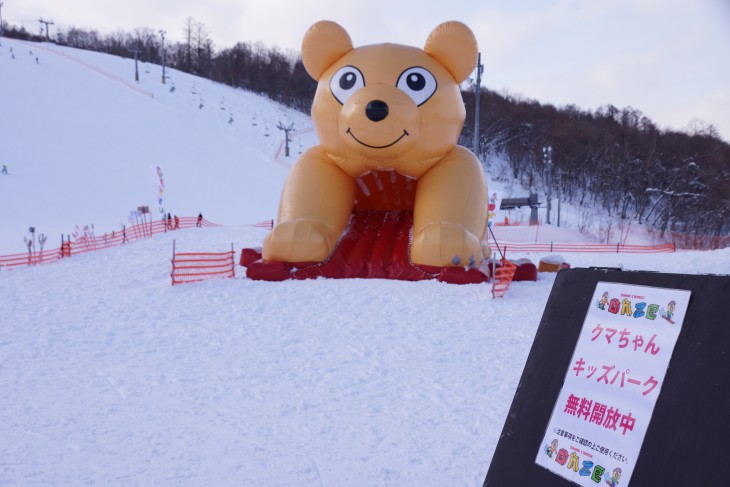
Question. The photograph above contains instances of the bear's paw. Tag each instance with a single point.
(446, 244)
(299, 241)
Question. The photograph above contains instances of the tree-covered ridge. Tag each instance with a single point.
(617, 160)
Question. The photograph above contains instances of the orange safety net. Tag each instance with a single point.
(198, 266)
(585, 247)
(502, 278)
(87, 241)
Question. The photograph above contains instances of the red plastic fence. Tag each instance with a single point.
(264, 224)
(198, 266)
(503, 276)
(30, 258)
(87, 243)
(584, 247)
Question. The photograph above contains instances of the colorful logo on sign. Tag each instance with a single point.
(632, 305)
(579, 465)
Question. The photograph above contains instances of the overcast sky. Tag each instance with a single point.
(668, 58)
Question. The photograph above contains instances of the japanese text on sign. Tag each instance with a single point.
(619, 363)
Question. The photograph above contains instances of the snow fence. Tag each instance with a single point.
(199, 266)
(84, 240)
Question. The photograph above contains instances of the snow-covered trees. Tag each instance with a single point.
(613, 159)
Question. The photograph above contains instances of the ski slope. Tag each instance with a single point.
(111, 376)
(81, 141)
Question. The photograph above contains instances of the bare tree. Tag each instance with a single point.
(188, 29)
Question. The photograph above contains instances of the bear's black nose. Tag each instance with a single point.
(376, 110)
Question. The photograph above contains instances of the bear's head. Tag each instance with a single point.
(388, 106)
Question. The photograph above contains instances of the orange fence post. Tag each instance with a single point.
(172, 274)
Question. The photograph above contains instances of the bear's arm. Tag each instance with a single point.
(450, 213)
(454, 191)
(315, 207)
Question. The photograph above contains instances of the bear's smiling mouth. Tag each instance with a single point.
(405, 133)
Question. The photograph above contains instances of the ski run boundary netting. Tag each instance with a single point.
(84, 240)
(585, 247)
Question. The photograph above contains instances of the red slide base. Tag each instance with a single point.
(374, 246)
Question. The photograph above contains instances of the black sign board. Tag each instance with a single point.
(688, 439)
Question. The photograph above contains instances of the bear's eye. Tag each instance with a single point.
(346, 81)
(418, 83)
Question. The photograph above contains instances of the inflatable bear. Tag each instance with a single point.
(386, 115)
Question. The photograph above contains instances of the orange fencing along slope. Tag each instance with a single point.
(264, 224)
(30, 258)
(199, 266)
(86, 241)
(584, 247)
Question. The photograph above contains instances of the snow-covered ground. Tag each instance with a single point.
(111, 376)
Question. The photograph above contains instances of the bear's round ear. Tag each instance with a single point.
(324, 43)
(453, 45)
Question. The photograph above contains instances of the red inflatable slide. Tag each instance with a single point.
(375, 246)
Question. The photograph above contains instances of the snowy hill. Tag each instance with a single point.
(111, 376)
(81, 140)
